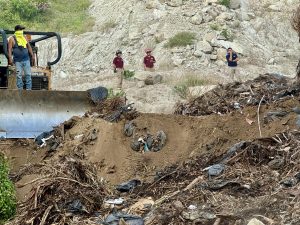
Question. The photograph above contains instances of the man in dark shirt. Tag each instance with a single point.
(232, 59)
(19, 52)
(149, 61)
(118, 65)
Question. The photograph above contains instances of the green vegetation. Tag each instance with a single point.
(47, 15)
(7, 193)
(215, 27)
(227, 34)
(115, 94)
(128, 74)
(181, 39)
(182, 89)
(225, 3)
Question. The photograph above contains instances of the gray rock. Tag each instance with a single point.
(204, 46)
(235, 4)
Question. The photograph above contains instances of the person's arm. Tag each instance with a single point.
(230, 56)
(31, 53)
(145, 63)
(227, 57)
(237, 59)
(10, 46)
(154, 61)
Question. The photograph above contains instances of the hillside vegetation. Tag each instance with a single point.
(47, 15)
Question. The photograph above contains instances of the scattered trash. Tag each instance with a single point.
(129, 128)
(215, 170)
(122, 218)
(78, 136)
(249, 121)
(276, 163)
(198, 214)
(148, 143)
(192, 207)
(117, 201)
(76, 207)
(128, 186)
(43, 137)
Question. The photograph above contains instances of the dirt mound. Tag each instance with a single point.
(226, 167)
(223, 99)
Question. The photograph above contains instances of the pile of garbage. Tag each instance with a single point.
(251, 181)
(224, 99)
(64, 191)
(143, 141)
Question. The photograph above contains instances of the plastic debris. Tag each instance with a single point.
(128, 186)
(119, 217)
(43, 137)
(255, 221)
(215, 169)
(129, 128)
(117, 201)
(76, 207)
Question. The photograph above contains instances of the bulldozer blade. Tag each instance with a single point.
(26, 114)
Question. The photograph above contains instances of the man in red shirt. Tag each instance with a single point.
(118, 65)
(149, 61)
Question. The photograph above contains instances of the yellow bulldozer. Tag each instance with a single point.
(26, 114)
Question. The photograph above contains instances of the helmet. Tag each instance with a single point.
(118, 52)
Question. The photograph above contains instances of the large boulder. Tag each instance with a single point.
(235, 4)
(196, 19)
(204, 46)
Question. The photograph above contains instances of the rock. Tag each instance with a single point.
(235, 46)
(174, 3)
(159, 37)
(209, 36)
(151, 4)
(151, 80)
(213, 57)
(197, 19)
(197, 214)
(177, 61)
(235, 4)
(221, 54)
(204, 46)
(224, 16)
(63, 75)
(207, 18)
(271, 61)
(255, 221)
(178, 206)
(276, 163)
(275, 8)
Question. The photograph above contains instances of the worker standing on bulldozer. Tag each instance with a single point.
(20, 49)
(118, 66)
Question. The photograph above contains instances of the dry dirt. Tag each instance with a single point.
(186, 137)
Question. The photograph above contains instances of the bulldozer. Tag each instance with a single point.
(28, 113)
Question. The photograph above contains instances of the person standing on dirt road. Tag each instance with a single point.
(20, 49)
(149, 61)
(232, 59)
(118, 65)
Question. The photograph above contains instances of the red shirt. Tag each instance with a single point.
(118, 62)
(149, 61)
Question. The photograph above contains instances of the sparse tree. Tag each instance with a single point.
(296, 26)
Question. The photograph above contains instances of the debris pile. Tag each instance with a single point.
(260, 179)
(227, 98)
(65, 190)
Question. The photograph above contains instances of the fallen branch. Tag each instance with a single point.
(258, 121)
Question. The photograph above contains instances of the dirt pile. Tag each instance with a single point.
(223, 99)
(214, 169)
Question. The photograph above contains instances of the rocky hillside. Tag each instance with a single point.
(259, 31)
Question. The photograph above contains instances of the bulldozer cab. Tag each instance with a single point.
(24, 113)
(41, 75)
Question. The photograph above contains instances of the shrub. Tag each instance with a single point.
(115, 94)
(181, 39)
(226, 34)
(215, 27)
(182, 89)
(225, 3)
(128, 74)
(7, 193)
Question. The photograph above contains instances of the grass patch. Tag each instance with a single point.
(215, 27)
(181, 39)
(182, 89)
(7, 193)
(225, 3)
(128, 74)
(115, 94)
(227, 34)
(108, 25)
(47, 15)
